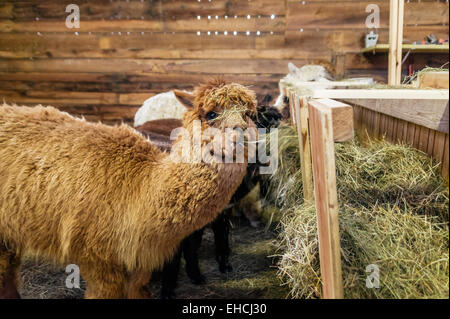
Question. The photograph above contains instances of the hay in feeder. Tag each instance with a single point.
(393, 214)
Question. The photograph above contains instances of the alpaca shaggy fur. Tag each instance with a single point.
(104, 197)
(319, 71)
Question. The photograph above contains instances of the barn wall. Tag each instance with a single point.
(127, 50)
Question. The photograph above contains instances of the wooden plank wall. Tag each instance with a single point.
(429, 141)
(128, 50)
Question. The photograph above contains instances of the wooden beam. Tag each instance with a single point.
(301, 111)
(324, 172)
(433, 114)
(399, 94)
(433, 79)
(332, 84)
(418, 48)
(342, 118)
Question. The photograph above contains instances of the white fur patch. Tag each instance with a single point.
(279, 104)
(309, 72)
(161, 106)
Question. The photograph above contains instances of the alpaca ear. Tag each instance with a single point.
(185, 98)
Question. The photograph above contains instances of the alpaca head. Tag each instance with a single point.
(221, 106)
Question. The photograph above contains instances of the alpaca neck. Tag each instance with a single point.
(179, 198)
(193, 194)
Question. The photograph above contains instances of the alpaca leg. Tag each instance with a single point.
(136, 284)
(170, 276)
(104, 282)
(221, 229)
(9, 271)
(191, 245)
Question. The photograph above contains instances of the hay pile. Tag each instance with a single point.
(393, 213)
(253, 276)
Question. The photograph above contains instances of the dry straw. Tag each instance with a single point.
(393, 213)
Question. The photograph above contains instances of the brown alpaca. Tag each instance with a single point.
(104, 197)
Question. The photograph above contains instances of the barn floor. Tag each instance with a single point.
(253, 274)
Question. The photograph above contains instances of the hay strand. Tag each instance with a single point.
(393, 213)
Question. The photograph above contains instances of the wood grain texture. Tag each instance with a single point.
(352, 14)
(436, 80)
(430, 141)
(324, 171)
(393, 42)
(341, 117)
(139, 47)
(301, 111)
(433, 114)
(439, 146)
(398, 50)
(445, 160)
(291, 96)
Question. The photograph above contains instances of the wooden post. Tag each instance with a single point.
(398, 59)
(434, 79)
(339, 62)
(396, 9)
(301, 113)
(393, 7)
(324, 171)
(291, 97)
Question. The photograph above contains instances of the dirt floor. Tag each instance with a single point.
(253, 275)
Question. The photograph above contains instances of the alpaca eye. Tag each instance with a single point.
(211, 116)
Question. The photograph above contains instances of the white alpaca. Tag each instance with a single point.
(309, 72)
(306, 73)
(161, 106)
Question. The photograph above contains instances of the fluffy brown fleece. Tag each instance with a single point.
(158, 131)
(103, 197)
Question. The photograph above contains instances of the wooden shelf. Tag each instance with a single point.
(424, 48)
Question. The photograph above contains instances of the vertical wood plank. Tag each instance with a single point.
(383, 126)
(439, 146)
(357, 117)
(416, 136)
(366, 114)
(411, 132)
(324, 172)
(405, 132)
(291, 106)
(376, 125)
(423, 139)
(390, 128)
(363, 127)
(370, 122)
(445, 161)
(393, 24)
(394, 130)
(431, 142)
(399, 136)
(301, 111)
(398, 59)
